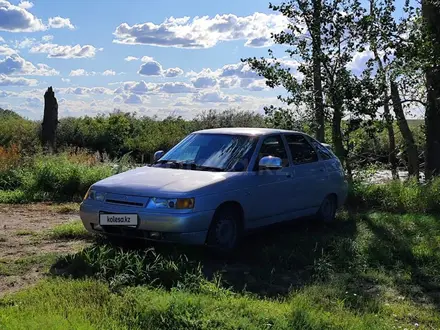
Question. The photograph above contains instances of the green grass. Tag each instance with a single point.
(71, 230)
(25, 232)
(66, 208)
(397, 196)
(370, 270)
(50, 178)
(17, 267)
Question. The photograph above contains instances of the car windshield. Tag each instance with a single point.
(211, 152)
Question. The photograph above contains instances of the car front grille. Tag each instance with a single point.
(126, 200)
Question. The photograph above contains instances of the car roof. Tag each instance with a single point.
(250, 131)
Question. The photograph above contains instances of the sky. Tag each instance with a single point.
(155, 58)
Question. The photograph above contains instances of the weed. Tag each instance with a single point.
(69, 230)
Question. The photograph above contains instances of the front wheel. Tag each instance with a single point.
(327, 210)
(225, 231)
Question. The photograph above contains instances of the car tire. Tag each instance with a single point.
(327, 210)
(225, 231)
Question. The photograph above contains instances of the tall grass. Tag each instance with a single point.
(62, 177)
(397, 196)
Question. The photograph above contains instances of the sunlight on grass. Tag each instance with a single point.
(365, 271)
(66, 208)
(70, 230)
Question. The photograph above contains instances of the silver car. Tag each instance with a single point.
(217, 184)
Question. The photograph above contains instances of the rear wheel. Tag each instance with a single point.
(225, 231)
(327, 210)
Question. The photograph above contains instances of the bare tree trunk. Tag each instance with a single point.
(317, 80)
(431, 14)
(50, 120)
(410, 145)
(392, 158)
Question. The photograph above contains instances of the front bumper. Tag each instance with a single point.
(187, 228)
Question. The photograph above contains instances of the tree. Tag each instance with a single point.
(50, 120)
(328, 41)
(431, 16)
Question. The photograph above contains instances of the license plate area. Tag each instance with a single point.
(119, 219)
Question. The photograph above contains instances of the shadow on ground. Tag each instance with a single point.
(358, 253)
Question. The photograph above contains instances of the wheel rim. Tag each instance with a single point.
(327, 209)
(226, 232)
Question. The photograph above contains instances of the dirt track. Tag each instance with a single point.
(25, 250)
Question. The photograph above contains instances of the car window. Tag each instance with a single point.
(273, 146)
(323, 152)
(301, 150)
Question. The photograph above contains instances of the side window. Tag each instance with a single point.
(323, 152)
(301, 150)
(273, 146)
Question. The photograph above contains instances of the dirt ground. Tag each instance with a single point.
(26, 249)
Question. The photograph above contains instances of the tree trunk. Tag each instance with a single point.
(392, 158)
(50, 120)
(410, 145)
(431, 14)
(317, 80)
(337, 138)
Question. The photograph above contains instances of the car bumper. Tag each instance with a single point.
(187, 228)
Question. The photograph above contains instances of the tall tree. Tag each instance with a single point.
(324, 44)
(431, 15)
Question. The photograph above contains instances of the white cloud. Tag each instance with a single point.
(25, 43)
(176, 87)
(60, 22)
(109, 73)
(229, 82)
(5, 50)
(7, 94)
(139, 88)
(172, 72)
(66, 80)
(133, 99)
(33, 102)
(65, 52)
(86, 91)
(204, 31)
(47, 38)
(150, 67)
(204, 82)
(214, 97)
(2, 40)
(13, 81)
(25, 4)
(81, 72)
(254, 85)
(240, 70)
(16, 65)
(131, 58)
(17, 19)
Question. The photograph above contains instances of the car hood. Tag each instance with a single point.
(161, 182)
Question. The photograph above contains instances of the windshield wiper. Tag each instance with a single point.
(190, 165)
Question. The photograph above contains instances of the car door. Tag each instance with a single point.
(269, 195)
(309, 174)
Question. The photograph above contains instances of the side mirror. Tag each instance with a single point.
(328, 146)
(270, 163)
(158, 155)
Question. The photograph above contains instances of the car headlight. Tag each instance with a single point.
(95, 195)
(171, 203)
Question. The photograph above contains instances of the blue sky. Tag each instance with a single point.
(152, 57)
